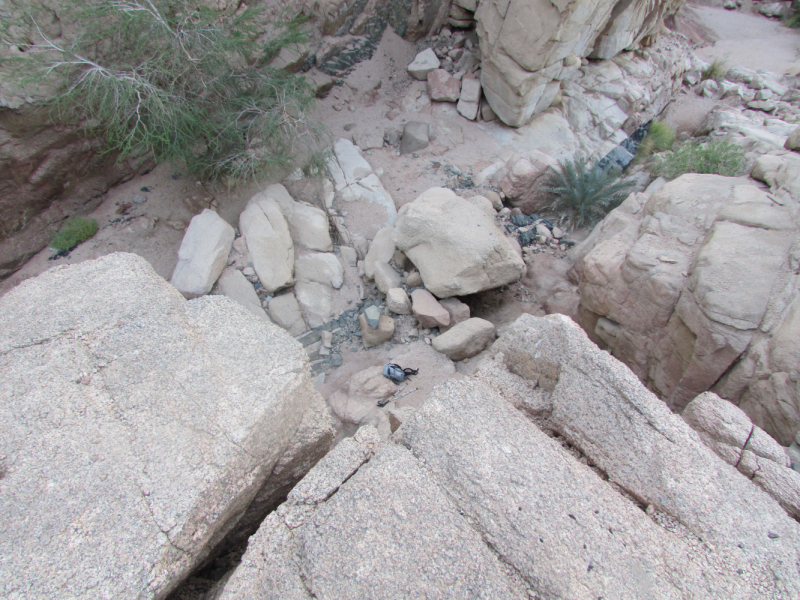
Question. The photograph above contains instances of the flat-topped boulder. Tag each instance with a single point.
(136, 428)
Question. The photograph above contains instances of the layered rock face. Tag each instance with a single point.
(474, 498)
(530, 46)
(139, 430)
(695, 288)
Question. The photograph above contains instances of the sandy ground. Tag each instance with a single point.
(750, 40)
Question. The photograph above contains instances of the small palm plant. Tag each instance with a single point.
(583, 192)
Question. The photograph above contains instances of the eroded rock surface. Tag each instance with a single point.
(137, 428)
(695, 288)
(562, 518)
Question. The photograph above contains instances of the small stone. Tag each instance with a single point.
(414, 279)
(427, 309)
(443, 87)
(425, 62)
(323, 351)
(413, 333)
(336, 359)
(495, 199)
(327, 339)
(386, 277)
(248, 272)
(557, 233)
(372, 315)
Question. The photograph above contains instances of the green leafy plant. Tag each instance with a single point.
(74, 231)
(792, 19)
(660, 138)
(718, 157)
(583, 192)
(716, 71)
(180, 81)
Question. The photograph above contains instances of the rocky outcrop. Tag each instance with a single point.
(695, 288)
(456, 246)
(137, 429)
(529, 47)
(658, 515)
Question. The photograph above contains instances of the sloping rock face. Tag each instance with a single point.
(695, 289)
(472, 499)
(530, 46)
(136, 429)
(456, 246)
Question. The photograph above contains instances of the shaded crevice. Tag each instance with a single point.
(744, 447)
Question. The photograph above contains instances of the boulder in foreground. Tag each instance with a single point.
(136, 428)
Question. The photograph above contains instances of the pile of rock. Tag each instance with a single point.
(759, 91)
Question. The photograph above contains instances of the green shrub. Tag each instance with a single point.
(716, 71)
(660, 138)
(181, 81)
(792, 20)
(74, 231)
(720, 158)
(583, 192)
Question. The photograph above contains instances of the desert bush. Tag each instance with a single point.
(583, 193)
(74, 231)
(719, 157)
(716, 71)
(660, 138)
(180, 81)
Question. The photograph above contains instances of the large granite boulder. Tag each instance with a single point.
(456, 246)
(137, 428)
(690, 288)
(626, 502)
(530, 46)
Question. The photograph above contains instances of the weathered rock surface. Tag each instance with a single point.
(360, 193)
(203, 254)
(443, 87)
(235, 286)
(308, 224)
(416, 136)
(381, 249)
(465, 340)
(728, 431)
(285, 311)
(455, 245)
(321, 267)
(427, 310)
(459, 312)
(522, 178)
(386, 277)
(708, 532)
(692, 289)
(529, 48)
(137, 428)
(269, 242)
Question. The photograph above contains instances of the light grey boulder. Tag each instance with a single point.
(235, 286)
(135, 428)
(793, 141)
(269, 242)
(369, 139)
(457, 247)
(321, 267)
(316, 302)
(425, 62)
(386, 277)
(465, 340)
(285, 312)
(381, 249)
(443, 87)
(350, 167)
(308, 224)
(459, 312)
(203, 254)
